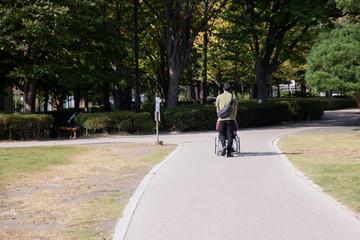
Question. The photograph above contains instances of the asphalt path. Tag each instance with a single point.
(257, 195)
(195, 194)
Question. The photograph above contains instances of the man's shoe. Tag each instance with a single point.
(223, 151)
(229, 155)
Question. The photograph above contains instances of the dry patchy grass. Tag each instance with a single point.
(79, 196)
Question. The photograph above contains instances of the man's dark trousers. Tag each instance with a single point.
(226, 131)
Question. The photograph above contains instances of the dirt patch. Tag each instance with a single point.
(80, 200)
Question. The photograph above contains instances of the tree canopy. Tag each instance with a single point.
(334, 61)
(95, 49)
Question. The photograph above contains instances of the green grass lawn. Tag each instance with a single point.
(331, 160)
(15, 162)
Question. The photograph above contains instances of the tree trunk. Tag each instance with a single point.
(106, 94)
(77, 99)
(117, 96)
(203, 88)
(188, 92)
(242, 90)
(263, 72)
(174, 81)
(30, 90)
(261, 88)
(137, 75)
(196, 91)
(236, 78)
(46, 101)
(278, 91)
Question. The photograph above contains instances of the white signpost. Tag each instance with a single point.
(157, 119)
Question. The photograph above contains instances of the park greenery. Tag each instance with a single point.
(95, 49)
(334, 61)
(186, 117)
(329, 160)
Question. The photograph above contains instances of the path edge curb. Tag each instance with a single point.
(124, 222)
(302, 176)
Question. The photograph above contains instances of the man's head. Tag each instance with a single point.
(227, 87)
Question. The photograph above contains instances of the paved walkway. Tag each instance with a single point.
(198, 195)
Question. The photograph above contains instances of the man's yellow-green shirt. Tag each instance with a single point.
(224, 99)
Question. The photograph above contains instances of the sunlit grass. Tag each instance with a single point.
(15, 162)
(83, 189)
(331, 160)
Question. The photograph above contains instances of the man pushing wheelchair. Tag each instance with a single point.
(226, 107)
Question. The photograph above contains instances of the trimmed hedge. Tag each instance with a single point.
(186, 117)
(115, 121)
(303, 109)
(250, 114)
(193, 117)
(24, 126)
(338, 103)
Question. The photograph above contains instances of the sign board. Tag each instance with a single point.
(157, 104)
(157, 116)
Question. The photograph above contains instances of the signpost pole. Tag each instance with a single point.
(157, 119)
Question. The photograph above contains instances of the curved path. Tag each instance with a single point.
(257, 195)
(197, 195)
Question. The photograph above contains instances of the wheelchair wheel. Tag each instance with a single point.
(237, 144)
(217, 151)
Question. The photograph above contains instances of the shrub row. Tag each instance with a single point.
(338, 103)
(303, 108)
(186, 117)
(115, 121)
(250, 114)
(24, 126)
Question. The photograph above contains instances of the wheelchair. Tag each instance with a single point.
(235, 146)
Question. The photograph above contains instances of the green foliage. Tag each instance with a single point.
(20, 126)
(99, 123)
(115, 121)
(338, 103)
(61, 46)
(272, 32)
(250, 114)
(334, 61)
(188, 118)
(304, 109)
(350, 7)
(125, 126)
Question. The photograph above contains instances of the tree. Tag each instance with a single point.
(27, 33)
(233, 50)
(276, 29)
(351, 8)
(334, 61)
(182, 23)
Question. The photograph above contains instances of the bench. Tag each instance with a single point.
(73, 130)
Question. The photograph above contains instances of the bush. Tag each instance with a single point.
(193, 117)
(304, 109)
(197, 117)
(251, 114)
(98, 123)
(115, 121)
(25, 126)
(338, 103)
(142, 122)
(125, 126)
